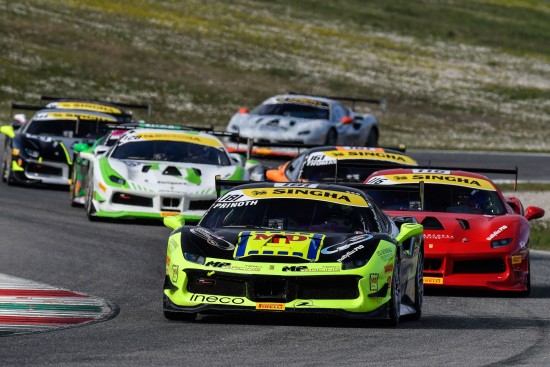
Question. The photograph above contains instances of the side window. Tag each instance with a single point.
(294, 167)
(338, 112)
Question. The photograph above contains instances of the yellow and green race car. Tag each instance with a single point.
(295, 248)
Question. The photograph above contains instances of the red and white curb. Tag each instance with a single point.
(27, 306)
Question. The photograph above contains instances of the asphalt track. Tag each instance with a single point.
(45, 240)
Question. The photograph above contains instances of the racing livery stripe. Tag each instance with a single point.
(38, 293)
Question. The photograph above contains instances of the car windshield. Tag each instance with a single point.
(171, 151)
(281, 214)
(326, 173)
(292, 110)
(91, 129)
(442, 198)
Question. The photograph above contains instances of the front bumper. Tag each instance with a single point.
(498, 271)
(30, 171)
(256, 287)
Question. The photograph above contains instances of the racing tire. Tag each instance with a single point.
(331, 138)
(7, 174)
(395, 300)
(372, 138)
(418, 288)
(527, 291)
(89, 205)
(180, 316)
(72, 188)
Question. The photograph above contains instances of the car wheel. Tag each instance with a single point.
(527, 290)
(72, 187)
(180, 316)
(332, 137)
(89, 205)
(372, 139)
(395, 300)
(419, 287)
(7, 174)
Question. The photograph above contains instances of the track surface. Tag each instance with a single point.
(43, 239)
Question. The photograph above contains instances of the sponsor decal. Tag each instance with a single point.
(203, 298)
(217, 264)
(71, 116)
(369, 154)
(302, 100)
(306, 269)
(385, 254)
(516, 259)
(342, 246)
(440, 178)
(438, 236)
(432, 280)
(373, 282)
(340, 197)
(270, 306)
(295, 184)
(303, 245)
(168, 214)
(212, 239)
(304, 304)
(175, 269)
(348, 254)
(388, 268)
(319, 159)
(497, 232)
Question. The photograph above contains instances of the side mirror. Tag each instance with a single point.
(346, 120)
(174, 222)
(409, 230)
(101, 149)
(7, 130)
(533, 212)
(80, 147)
(238, 159)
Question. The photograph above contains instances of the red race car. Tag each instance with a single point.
(474, 237)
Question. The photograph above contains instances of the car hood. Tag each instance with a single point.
(458, 228)
(254, 125)
(56, 149)
(278, 246)
(173, 177)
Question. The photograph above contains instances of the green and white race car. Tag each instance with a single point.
(153, 173)
(295, 248)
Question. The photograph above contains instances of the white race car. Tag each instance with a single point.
(305, 120)
(154, 173)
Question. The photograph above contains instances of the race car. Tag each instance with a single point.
(335, 163)
(44, 145)
(475, 238)
(254, 252)
(151, 173)
(40, 151)
(300, 119)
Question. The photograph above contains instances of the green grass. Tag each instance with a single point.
(540, 236)
(457, 74)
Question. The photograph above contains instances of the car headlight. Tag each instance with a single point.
(353, 264)
(118, 180)
(501, 243)
(197, 259)
(32, 153)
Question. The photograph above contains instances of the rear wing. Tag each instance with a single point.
(222, 186)
(143, 106)
(144, 125)
(499, 171)
(380, 101)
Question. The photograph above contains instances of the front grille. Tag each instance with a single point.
(484, 266)
(273, 288)
(343, 287)
(44, 169)
(127, 199)
(200, 283)
(432, 264)
(200, 204)
(170, 203)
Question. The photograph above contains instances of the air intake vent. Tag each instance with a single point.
(432, 223)
(464, 223)
(172, 171)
